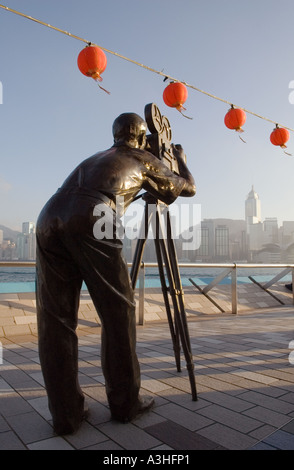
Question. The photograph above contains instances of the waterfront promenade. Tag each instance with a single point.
(244, 378)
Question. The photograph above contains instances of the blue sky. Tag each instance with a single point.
(52, 117)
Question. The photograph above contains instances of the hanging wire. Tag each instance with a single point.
(146, 67)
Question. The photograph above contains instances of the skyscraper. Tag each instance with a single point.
(26, 242)
(252, 209)
(28, 227)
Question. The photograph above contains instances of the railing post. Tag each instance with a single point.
(141, 294)
(234, 290)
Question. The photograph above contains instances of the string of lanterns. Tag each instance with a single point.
(92, 62)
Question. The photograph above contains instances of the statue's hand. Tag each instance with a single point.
(178, 152)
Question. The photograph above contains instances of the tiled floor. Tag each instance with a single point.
(244, 379)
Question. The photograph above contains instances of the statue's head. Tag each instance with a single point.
(131, 129)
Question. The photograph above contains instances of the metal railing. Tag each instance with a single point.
(228, 269)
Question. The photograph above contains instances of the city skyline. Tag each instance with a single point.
(239, 213)
(177, 212)
(205, 240)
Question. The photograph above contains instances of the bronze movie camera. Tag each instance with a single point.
(159, 141)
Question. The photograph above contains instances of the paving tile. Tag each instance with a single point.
(11, 330)
(289, 427)
(227, 437)
(4, 386)
(230, 418)
(180, 438)
(260, 378)
(26, 319)
(54, 443)
(129, 437)
(30, 427)
(215, 383)
(86, 435)
(187, 419)
(38, 377)
(262, 446)
(280, 440)
(3, 425)
(97, 392)
(12, 375)
(152, 385)
(40, 404)
(227, 401)
(11, 404)
(105, 445)
(183, 399)
(148, 419)
(262, 432)
(29, 389)
(267, 402)
(268, 416)
(9, 441)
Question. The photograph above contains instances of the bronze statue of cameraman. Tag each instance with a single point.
(68, 253)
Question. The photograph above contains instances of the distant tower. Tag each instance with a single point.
(28, 227)
(252, 209)
(26, 242)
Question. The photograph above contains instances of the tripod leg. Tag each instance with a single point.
(166, 252)
(178, 282)
(172, 327)
(150, 211)
(176, 291)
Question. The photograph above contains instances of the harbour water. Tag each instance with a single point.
(22, 279)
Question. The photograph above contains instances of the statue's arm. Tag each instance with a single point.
(189, 188)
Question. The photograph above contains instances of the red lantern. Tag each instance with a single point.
(92, 62)
(235, 119)
(175, 95)
(280, 137)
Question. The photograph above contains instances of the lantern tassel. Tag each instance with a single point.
(240, 130)
(106, 91)
(97, 80)
(180, 109)
(286, 153)
(187, 117)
